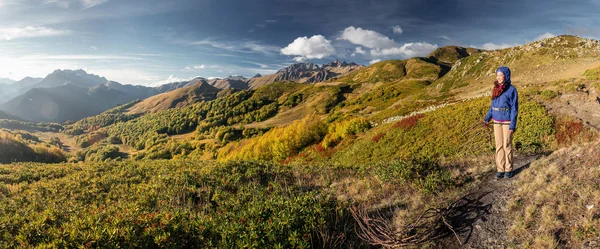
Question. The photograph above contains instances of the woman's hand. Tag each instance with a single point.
(510, 132)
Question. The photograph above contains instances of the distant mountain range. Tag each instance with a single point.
(71, 95)
(74, 94)
(5, 81)
(305, 73)
(9, 91)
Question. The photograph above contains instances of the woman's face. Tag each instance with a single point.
(500, 77)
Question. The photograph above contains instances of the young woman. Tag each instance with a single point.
(504, 110)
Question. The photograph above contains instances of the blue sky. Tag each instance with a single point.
(153, 41)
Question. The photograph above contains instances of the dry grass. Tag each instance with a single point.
(175, 99)
(557, 202)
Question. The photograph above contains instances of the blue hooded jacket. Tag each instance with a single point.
(508, 102)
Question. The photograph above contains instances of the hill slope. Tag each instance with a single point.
(539, 62)
(199, 91)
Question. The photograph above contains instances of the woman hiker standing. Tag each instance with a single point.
(504, 110)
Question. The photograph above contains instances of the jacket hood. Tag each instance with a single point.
(506, 72)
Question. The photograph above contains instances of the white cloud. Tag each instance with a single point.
(445, 37)
(271, 21)
(300, 59)
(359, 50)
(29, 32)
(316, 47)
(85, 4)
(397, 29)
(383, 46)
(494, 46)
(202, 66)
(92, 48)
(171, 79)
(367, 38)
(406, 50)
(374, 61)
(544, 36)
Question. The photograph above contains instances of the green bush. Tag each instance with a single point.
(535, 128)
(426, 175)
(164, 204)
(451, 131)
(549, 94)
(592, 74)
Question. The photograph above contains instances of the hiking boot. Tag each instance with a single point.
(499, 175)
(508, 175)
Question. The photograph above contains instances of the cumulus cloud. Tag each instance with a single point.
(397, 30)
(300, 59)
(381, 45)
(29, 32)
(374, 61)
(358, 50)
(406, 50)
(315, 47)
(494, 46)
(367, 38)
(544, 36)
(171, 79)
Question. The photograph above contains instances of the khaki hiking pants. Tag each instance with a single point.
(504, 156)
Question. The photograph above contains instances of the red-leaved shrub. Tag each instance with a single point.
(377, 137)
(409, 122)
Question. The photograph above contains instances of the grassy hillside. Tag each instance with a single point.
(165, 204)
(542, 61)
(170, 203)
(450, 54)
(178, 98)
(395, 70)
(387, 90)
(557, 201)
(18, 146)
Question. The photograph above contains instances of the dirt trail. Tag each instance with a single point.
(484, 224)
